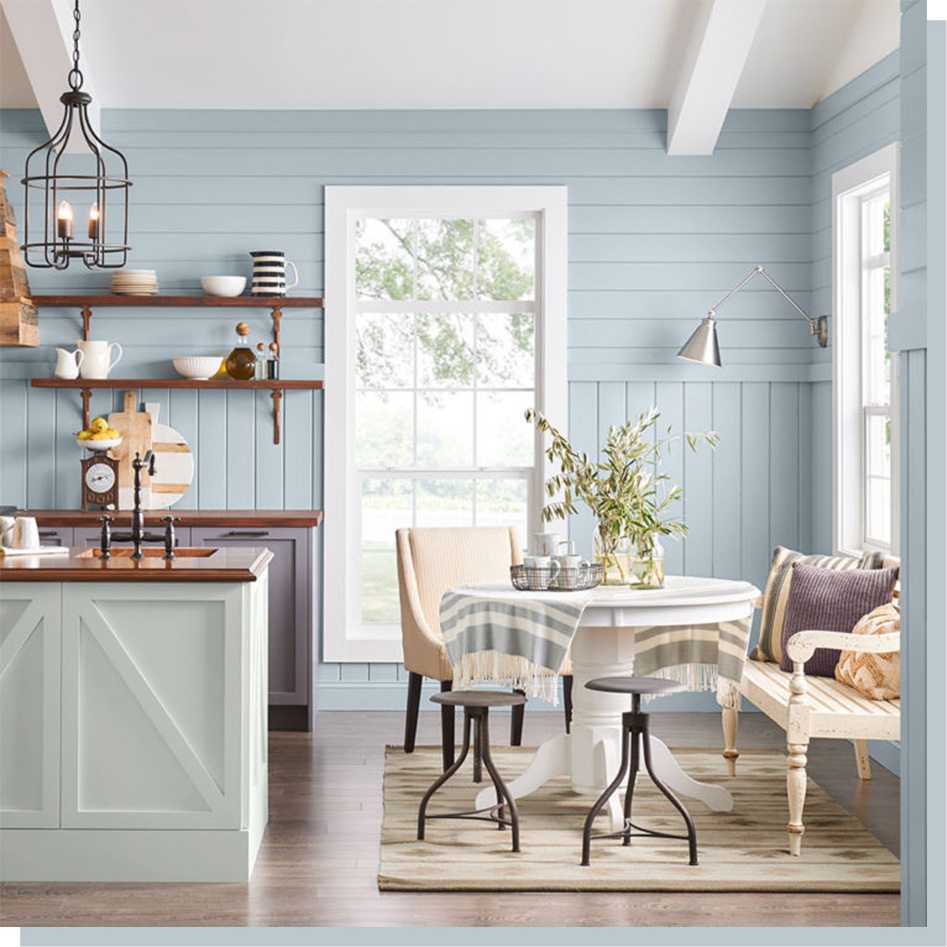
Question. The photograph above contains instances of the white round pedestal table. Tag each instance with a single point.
(604, 646)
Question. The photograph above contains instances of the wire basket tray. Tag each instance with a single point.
(548, 579)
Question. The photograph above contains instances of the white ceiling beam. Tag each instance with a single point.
(42, 31)
(720, 41)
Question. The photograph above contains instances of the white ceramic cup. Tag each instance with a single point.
(97, 359)
(68, 363)
(546, 544)
(569, 562)
(25, 533)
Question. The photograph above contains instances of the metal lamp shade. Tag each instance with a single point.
(702, 346)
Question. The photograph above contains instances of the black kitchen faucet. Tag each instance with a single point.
(137, 535)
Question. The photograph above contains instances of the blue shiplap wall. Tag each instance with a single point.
(855, 121)
(654, 241)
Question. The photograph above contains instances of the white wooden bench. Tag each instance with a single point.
(809, 707)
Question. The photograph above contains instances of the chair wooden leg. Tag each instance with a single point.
(796, 791)
(516, 722)
(447, 729)
(862, 760)
(411, 712)
(567, 700)
(730, 718)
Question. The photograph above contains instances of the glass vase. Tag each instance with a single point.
(647, 567)
(617, 558)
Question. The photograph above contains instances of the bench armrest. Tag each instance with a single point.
(801, 646)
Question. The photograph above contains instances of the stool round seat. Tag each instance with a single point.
(479, 699)
(634, 685)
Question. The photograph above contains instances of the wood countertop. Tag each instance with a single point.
(235, 518)
(233, 564)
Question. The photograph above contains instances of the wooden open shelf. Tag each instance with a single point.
(277, 384)
(209, 302)
(276, 305)
(275, 387)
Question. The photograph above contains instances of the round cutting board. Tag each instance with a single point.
(173, 460)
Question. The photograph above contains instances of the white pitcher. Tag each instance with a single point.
(67, 363)
(97, 362)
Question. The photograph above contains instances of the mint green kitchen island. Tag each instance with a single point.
(133, 716)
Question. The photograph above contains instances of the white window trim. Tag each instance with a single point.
(848, 186)
(343, 639)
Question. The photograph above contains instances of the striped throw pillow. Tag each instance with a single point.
(776, 595)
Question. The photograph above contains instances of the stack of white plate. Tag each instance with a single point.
(135, 282)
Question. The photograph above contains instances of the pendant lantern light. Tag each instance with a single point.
(100, 237)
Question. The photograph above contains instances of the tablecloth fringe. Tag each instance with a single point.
(700, 677)
(507, 670)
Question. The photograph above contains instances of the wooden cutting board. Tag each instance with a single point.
(136, 428)
(174, 462)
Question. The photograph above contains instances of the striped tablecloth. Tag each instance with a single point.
(520, 639)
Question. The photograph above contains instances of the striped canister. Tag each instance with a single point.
(269, 273)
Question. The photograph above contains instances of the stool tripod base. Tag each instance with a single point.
(475, 718)
(635, 737)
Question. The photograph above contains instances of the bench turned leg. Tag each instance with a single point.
(796, 791)
(730, 717)
(862, 760)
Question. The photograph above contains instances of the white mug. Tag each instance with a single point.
(569, 562)
(546, 544)
(68, 363)
(25, 533)
(97, 358)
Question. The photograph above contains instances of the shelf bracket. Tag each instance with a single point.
(86, 319)
(277, 314)
(277, 399)
(86, 398)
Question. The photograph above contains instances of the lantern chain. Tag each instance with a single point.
(75, 74)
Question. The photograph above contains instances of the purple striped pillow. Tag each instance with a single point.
(831, 600)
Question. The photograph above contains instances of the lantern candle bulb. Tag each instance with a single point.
(94, 221)
(64, 221)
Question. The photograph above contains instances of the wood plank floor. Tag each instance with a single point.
(319, 859)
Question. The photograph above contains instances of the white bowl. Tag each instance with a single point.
(104, 444)
(223, 285)
(197, 366)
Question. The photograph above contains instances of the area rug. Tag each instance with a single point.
(744, 850)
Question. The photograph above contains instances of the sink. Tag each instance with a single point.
(151, 552)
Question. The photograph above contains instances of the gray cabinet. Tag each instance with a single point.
(290, 614)
(55, 536)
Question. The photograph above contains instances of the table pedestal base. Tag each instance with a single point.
(591, 753)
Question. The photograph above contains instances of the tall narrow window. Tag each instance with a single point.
(866, 500)
(431, 363)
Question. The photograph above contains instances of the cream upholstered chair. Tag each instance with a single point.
(430, 561)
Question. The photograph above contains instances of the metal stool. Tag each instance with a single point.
(476, 706)
(634, 729)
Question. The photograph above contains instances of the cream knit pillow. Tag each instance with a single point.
(876, 676)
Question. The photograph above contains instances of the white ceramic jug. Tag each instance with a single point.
(97, 362)
(67, 363)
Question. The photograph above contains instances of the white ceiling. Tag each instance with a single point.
(294, 54)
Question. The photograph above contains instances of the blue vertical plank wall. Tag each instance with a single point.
(653, 242)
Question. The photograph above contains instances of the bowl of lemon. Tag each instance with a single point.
(99, 436)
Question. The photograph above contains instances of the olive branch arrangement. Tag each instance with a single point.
(626, 492)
